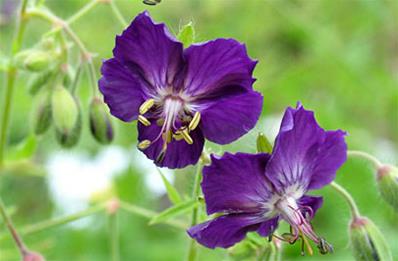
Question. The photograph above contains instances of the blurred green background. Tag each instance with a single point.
(339, 58)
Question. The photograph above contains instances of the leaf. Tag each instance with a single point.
(263, 145)
(24, 150)
(174, 211)
(172, 193)
(187, 35)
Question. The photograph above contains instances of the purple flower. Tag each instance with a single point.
(180, 97)
(255, 191)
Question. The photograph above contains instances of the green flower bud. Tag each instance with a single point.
(387, 182)
(367, 241)
(42, 113)
(66, 116)
(100, 122)
(263, 145)
(33, 60)
(69, 76)
(38, 81)
(187, 35)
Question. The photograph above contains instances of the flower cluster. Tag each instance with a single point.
(182, 96)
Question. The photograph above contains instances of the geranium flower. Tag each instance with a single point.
(255, 191)
(179, 97)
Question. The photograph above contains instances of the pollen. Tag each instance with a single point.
(146, 106)
(194, 122)
(144, 120)
(144, 144)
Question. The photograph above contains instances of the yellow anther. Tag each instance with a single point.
(160, 122)
(178, 136)
(144, 120)
(146, 106)
(144, 144)
(194, 122)
(185, 134)
(167, 136)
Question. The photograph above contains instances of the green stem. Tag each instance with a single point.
(8, 222)
(84, 10)
(363, 155)
(114, 236)
(347, 196)
(11, 75)
(192, 251)
(149, 214)
(118, 14)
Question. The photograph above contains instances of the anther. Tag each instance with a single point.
(160, 122)
(194, 122)
(167, 136)
(146, 106)
(178, 136)
(144, 144)
(185, 134)
(144, 120)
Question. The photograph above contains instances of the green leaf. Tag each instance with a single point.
(24, 150)
(172, 193)
(174, 211)
(187, 35)
(263, 145)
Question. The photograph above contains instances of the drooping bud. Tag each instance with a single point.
(100, 122)
(187, 35)
(41, 118)
(263, 145)
(33, 60)
(66, 115)
(38, 81)
(32, 256)
(387, 182)
(367, 241)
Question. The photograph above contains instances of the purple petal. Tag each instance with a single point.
(235, 183)
(217, 64)
(150, 50)
(178, 154)
(304, 154)
(313, 202)
(227, 118)
(268, 227)
(122, 91)
(224, 231)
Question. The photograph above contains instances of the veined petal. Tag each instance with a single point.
(217, 64)
(149, 50)
(304, 154)
(179, 154)
(236, 183)
(227, 118)
(122, 91)
(224, 231)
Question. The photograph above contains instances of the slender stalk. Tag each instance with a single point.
(114, 236)
(8, 222)
(363, 155)
(347, 196)
(192, 250)
(11, 75)
(149, 214)
(84, 10)
(118, 14)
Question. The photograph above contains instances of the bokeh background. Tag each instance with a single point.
(339, 58)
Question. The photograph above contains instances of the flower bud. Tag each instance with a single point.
(38, 81)
(367, 241)
(100, 122)
(187, 35)
(69, 76)
(33, 60)
(66, 116)
(263, 145)
(42, 113)
(32, 256)
(387, 182)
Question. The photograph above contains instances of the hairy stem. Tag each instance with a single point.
(363, 155)
(114, 236)
(192, 250)
(347, 196)
(11, 75)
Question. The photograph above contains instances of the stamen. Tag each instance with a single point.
(194, 122)
(144, 120)
(307, 244)
(178, 136)
(144, 144)
(148, 104)
(185, 134)
(167, 136)
(160, 122)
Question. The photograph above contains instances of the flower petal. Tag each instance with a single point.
(178, 154)
(228, 118)
(268, 227)
(216, 64)
(314, 202)
(304, 154)
(224, 231)
(122, 91)
(235, 183)
(150, 50)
